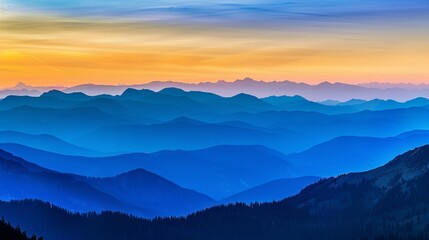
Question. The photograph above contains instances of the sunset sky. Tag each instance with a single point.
(47, 42)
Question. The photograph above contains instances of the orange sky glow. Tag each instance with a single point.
(40, 50)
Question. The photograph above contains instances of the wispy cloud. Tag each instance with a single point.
(136, 41)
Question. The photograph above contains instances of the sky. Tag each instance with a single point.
(58, 42)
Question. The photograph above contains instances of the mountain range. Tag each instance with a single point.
(45, 142)
(389, 202)
(319, 92)
(223, 165)
(218, 171)
(173, 153)
(138, 192)
(171, 119)
(354, 154)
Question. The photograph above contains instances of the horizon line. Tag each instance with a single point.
(362, 84)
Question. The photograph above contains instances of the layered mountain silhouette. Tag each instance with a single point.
(323, 127)
(38, 183)
(319, 92)
(45, 142)
(137, 192)
(218, 171)
(354, 154)
(148, 121)
(275, 94)
(389, 202)
(356, 105)
(63, 123)
(142, 188)
(171, 152)
(334, 157)
(183, 134)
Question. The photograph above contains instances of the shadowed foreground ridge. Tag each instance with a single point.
(10, 233)
(390, 202)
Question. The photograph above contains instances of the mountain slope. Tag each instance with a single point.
(45, 142)
(218, 171)
(79, 165)
(181, 133)
(298, 103)
(11, 233)
(354, 154)
(138, 192)
(390, 202)
(64, 190)
(324, 127)
(272, 191)
(142, 188)
(222, 170)
(396, 186)
(63, 123)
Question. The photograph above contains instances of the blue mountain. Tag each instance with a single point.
(76, 96)
(323, 127)
(182, 133)
(63, 123)
(22, 180)
(389, 202)
(218, 171)
(80, 165)
(195, 95)
(135, 94)
(138, 192)
(379, 104)
(275, 190)
(354, 154)
(46, 101)
(223, 170)
(46, 142)
(142, 188)
(298, 103)
(171, 119)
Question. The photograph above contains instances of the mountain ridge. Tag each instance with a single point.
(370, 205)
(156, 195)
(316, 92)
(216, 171)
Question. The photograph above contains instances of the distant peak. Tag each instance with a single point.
(133, 90)
(185, 120)
(135, 93)
(172, 90)
(21, 85)
(59, 94)
(136, 172)
(53, 93)
(244, 96)
(246, 80)
(418, 99)
(325, 83)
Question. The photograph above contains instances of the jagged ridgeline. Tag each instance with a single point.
(390, 202)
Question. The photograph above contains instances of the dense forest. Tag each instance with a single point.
(266, 221)
(8, 232)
